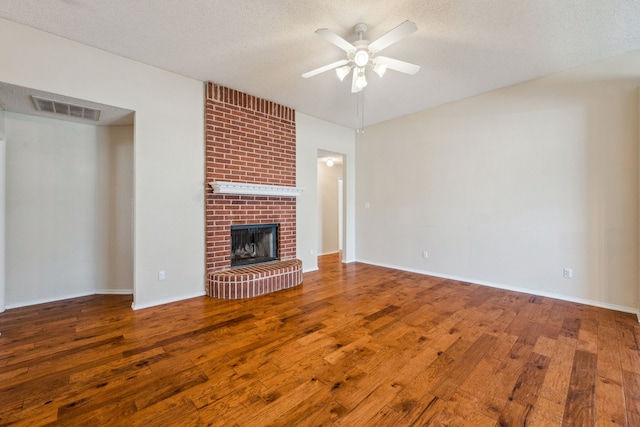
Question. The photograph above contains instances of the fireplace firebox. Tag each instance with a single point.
(253, 243)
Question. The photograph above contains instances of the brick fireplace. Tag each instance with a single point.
(250, 141)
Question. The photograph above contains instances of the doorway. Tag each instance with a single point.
(330, 167)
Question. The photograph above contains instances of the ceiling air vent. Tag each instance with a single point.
(64, 108)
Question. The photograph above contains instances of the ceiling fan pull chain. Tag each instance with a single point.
(360, 110)
(362, 98)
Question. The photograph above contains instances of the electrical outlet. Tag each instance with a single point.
(567, 273)
(162, 275)
(425, 254)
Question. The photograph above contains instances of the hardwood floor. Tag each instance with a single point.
(355, 345)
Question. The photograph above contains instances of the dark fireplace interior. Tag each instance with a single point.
(253, 243)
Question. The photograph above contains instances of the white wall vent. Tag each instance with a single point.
(64, 108)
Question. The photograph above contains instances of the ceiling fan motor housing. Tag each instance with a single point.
(360, 29)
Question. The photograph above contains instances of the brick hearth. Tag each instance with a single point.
(254, 280)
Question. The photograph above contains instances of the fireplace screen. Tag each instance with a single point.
(253, 243)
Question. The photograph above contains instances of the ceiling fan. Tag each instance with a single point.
(363, 53)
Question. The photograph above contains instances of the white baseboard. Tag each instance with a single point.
(114, 291)
(137, 306)
(329, 253)
(594, 303)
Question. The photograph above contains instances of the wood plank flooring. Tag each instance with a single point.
(354, 345)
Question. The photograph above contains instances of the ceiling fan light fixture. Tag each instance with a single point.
(361, 58)
(380, 69)
(361, 81)
(343, 72)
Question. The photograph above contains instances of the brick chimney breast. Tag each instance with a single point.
(248, 140)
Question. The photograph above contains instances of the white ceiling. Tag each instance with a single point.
(465, 47)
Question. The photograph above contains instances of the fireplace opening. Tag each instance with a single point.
(253, 243)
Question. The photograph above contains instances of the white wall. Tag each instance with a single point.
(69, 209)
(313, 134)
(328, 178)
(168, 148)
(510, 187)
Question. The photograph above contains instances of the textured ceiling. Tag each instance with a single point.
(465, 47)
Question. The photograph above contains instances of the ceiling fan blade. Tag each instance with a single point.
(396, 64)
(399, 32)
(335, 40)
(325, 68)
